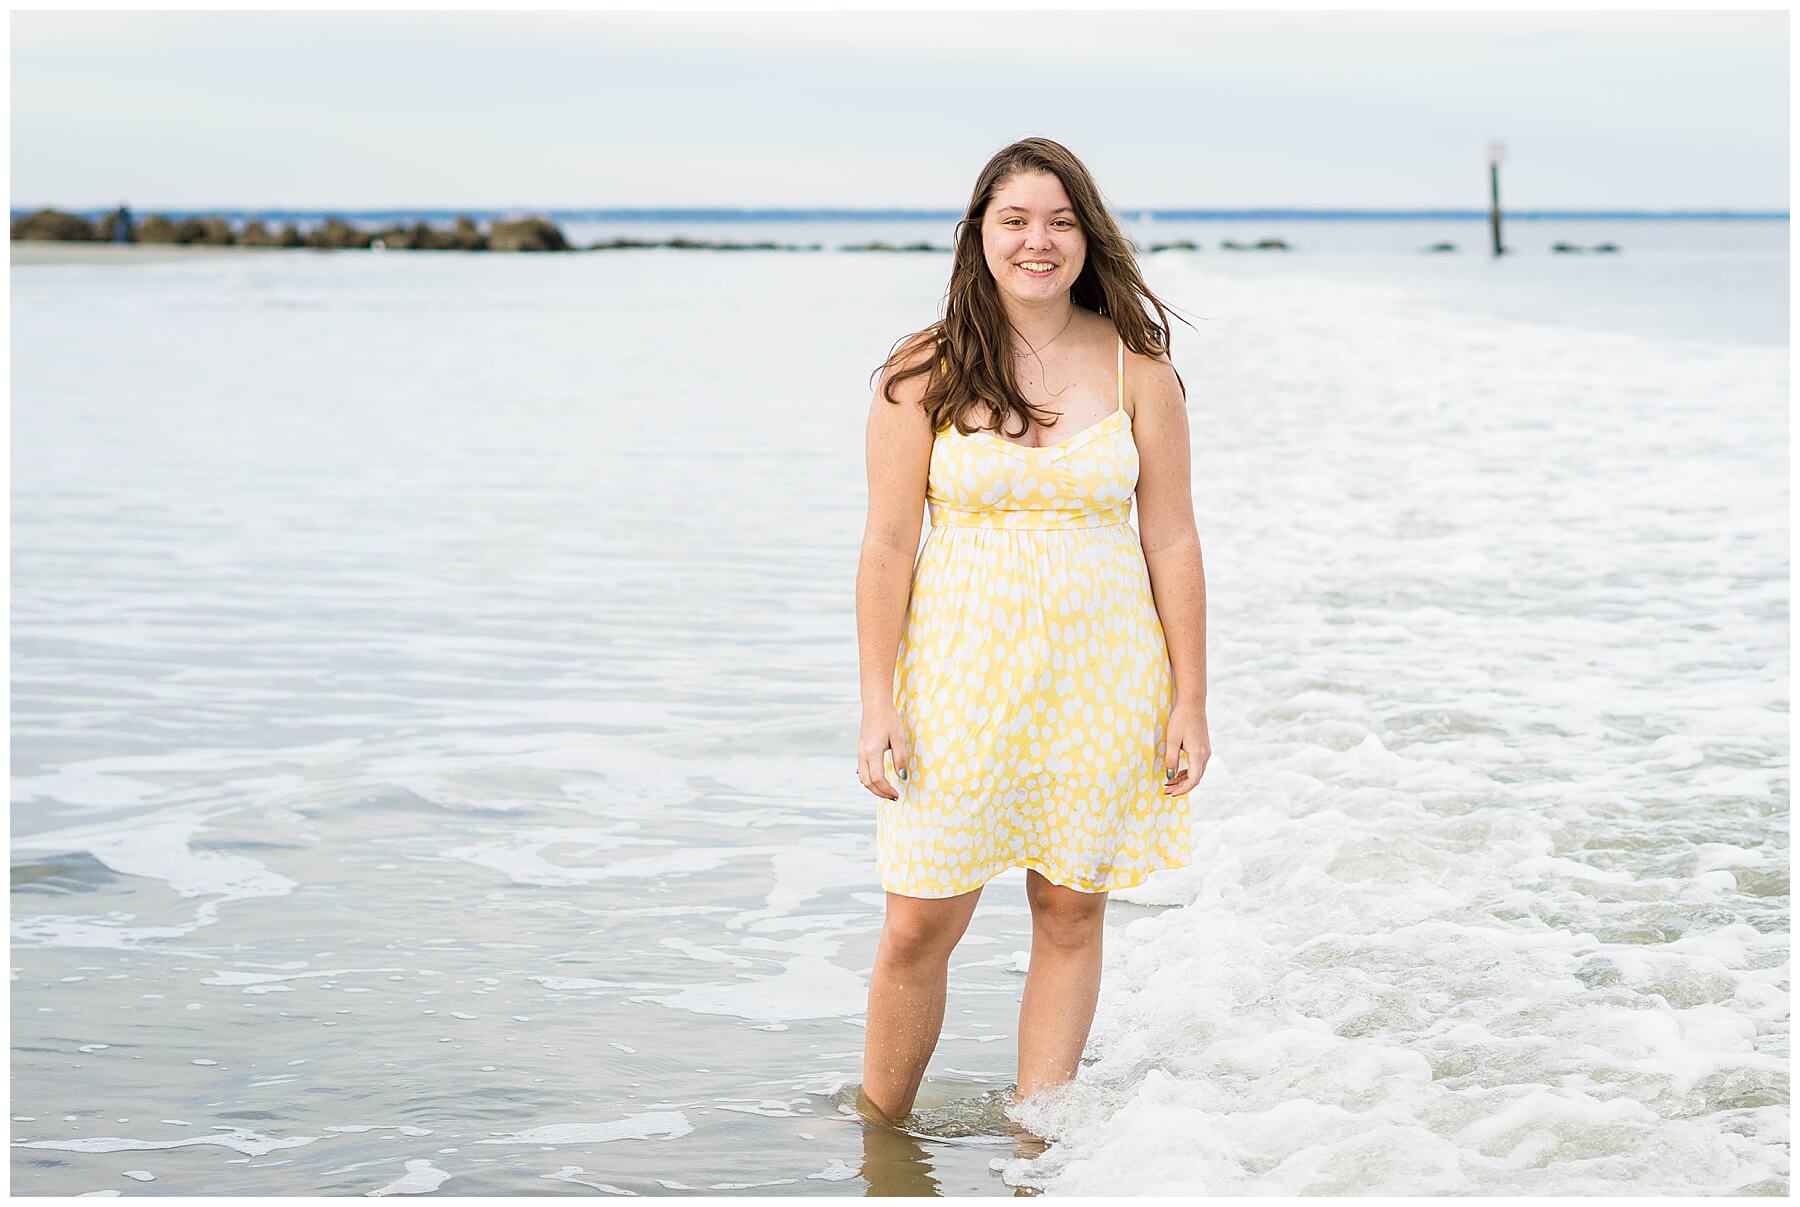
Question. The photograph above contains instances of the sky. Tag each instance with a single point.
(1170, 109)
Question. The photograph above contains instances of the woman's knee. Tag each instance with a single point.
(917, 928)
(1065, 917)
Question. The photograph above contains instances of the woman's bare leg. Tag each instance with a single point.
(906, 997)
(1063, 985)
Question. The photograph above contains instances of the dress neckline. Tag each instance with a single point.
(1043, 448)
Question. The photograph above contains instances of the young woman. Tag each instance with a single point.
(1031, 685)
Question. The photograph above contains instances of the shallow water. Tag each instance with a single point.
(391, 633)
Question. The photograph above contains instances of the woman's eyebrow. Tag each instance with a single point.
(1061, 209)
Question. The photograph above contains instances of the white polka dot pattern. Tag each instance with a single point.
(1032, 676)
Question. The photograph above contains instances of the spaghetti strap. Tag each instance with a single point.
(1121, 372)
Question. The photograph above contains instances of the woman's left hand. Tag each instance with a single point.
(1187, 733)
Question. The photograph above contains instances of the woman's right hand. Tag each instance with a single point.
(881, 732)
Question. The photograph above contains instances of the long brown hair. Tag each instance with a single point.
(973, 340)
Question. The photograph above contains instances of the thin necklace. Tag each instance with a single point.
(1048, 342)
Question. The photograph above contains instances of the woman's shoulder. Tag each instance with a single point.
(904, 375)
(915, 347)
(909, 352)
(1111, 328)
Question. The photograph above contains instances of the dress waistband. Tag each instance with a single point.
(944, 516)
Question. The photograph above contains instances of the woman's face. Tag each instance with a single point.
(1031, 222)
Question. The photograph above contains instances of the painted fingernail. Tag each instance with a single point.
(902, 773)
(1168, 773)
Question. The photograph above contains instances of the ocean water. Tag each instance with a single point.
(395, 632)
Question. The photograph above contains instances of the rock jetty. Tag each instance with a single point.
(334, 234)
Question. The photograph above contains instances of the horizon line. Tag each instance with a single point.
(893, 213)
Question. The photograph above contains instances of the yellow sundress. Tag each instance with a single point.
(1032, 675)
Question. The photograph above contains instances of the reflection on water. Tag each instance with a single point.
(896, 1156)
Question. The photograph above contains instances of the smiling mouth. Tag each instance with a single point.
(1037, 268)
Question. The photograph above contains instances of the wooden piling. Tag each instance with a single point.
(1496, 152)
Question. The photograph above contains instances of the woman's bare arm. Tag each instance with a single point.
(897, 450)
(1166, 529)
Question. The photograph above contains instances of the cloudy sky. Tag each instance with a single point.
(822, 108)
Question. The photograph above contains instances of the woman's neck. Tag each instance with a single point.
(1037, 325)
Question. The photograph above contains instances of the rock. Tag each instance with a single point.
(1178, 245)
(1435, 247)
(53, 224)
(156, 229)
(1610, 248)
(208, 232)
(255, 234)
(526, 234)
(397, 238)
(420, 236)
(463, 236)
(466, 236)
(335, 234)
(425, 237)
(1564, 248)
